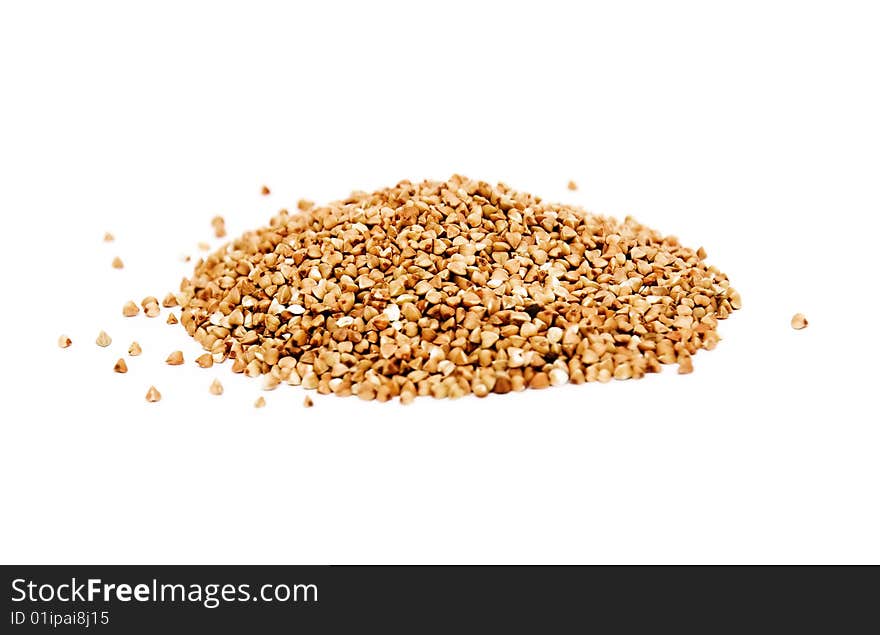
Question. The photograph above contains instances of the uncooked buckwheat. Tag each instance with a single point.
(450, 288)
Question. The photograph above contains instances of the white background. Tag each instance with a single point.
(750, 128)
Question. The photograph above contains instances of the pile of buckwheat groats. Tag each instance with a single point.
(442, 289)
(451, 288)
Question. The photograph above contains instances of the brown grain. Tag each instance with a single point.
(451, 288)
(153, 395)
(218, 223)
(205, 360)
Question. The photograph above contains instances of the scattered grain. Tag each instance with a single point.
(175, 358)
(135, 349)
(218, 223)
(103, 340)
(130, 309)
(120, 366)
(117, 263)
(799, 321)
(153, 395)
(151, 306)
(172, 319)
(108, 237)
(260, 402)
(265, 191)
(307, 402)
(64, 341)
(205, 360)
(216, 388)
(572, 185)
